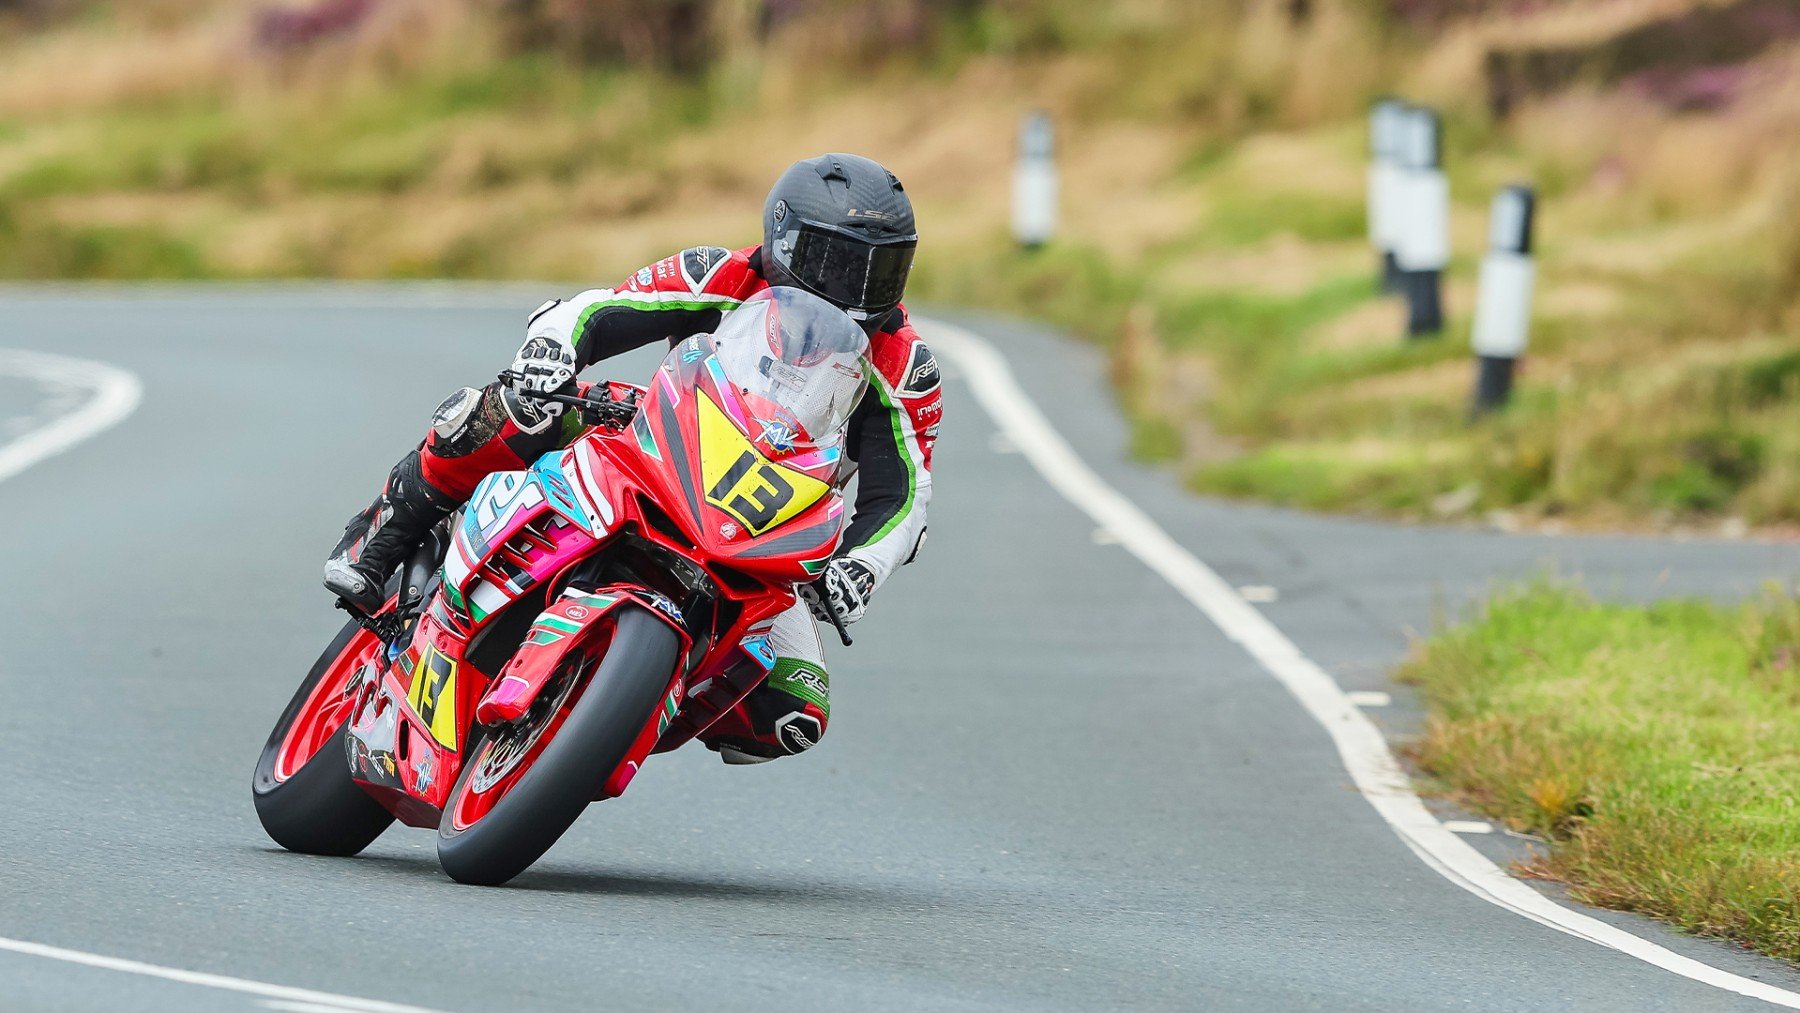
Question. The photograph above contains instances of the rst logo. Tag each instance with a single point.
(922, 374)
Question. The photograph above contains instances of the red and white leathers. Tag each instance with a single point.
(890, 438)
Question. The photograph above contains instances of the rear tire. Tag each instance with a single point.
(318, 809)
(606, 717)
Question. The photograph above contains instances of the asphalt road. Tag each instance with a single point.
(1049, 782)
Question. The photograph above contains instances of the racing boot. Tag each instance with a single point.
(378, 539)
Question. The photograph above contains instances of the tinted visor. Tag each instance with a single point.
(850, 272)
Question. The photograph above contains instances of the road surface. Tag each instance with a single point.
(1050, 783)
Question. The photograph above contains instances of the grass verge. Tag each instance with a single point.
(1657, 748)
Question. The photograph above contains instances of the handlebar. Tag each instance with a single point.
(595, 411)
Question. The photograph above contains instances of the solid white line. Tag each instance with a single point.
(1359, 743)
(115, 395)
(301, 1007)
(219, 981)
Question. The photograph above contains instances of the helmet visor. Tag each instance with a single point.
(851, 272)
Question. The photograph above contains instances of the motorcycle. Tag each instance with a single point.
(607, 603)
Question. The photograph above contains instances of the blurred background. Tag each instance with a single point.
(1212, 158)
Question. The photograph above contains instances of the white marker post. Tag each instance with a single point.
(1503, 305)
(1386, 122)
(1422, 226)
(1034, 182)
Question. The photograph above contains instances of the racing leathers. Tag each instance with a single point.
(477, 431)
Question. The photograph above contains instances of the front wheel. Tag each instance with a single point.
(528, 781)
(304, 795)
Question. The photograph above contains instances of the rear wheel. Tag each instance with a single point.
(304, 795)
(528, 781)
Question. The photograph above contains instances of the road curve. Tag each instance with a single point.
(1050, 783)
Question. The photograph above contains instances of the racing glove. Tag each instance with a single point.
(545, 364)
(847, 585)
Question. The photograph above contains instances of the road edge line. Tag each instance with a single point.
(207, 980)
(117, 394)
(1360, 744)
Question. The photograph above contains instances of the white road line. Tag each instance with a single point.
(1469, 826)
(1369, 698)
(115, 395)
(326, 1000)
(301, 1007)
(1359, 743)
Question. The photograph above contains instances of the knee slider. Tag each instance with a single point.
(466, 421)
(800, 730)
(803, 691)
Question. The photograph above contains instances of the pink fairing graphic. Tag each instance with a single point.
(521, 528)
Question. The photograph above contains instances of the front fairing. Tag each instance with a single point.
(777, 517)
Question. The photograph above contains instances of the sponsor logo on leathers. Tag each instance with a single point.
(700, 263)
(922, 374)
(798, 732)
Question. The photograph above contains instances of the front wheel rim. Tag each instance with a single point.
(326, 708)
(507, 755)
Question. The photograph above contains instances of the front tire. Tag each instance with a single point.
(304, 795)
(487, 841)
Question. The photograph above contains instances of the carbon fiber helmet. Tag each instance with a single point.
(841, 227)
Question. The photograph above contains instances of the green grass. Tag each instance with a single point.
(1247, 218)
(1657, 748)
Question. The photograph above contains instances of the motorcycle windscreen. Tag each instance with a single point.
(797, 364)
(793, 367)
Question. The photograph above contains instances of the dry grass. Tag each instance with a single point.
(1211, 159)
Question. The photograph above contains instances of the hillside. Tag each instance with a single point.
(1212, 158)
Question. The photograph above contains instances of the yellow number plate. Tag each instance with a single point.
(433, 695)
(742, 482)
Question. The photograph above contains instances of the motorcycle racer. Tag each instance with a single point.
(839, 226)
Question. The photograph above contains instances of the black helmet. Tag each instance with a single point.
(840, 227)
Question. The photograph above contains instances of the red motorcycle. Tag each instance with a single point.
(609, 602)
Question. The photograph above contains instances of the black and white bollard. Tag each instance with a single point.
(1034, 182)
(1503, 305)
(1422, 225)
(1386, 121)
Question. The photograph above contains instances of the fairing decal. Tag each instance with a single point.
(518, 529)
(796, 541)
(760, 494)
(671, 427)
(578, 505)
(433, 695)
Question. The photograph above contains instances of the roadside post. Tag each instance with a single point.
(1503, 304)
(1422, 229)
(1386, 120)
(1034, 182)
